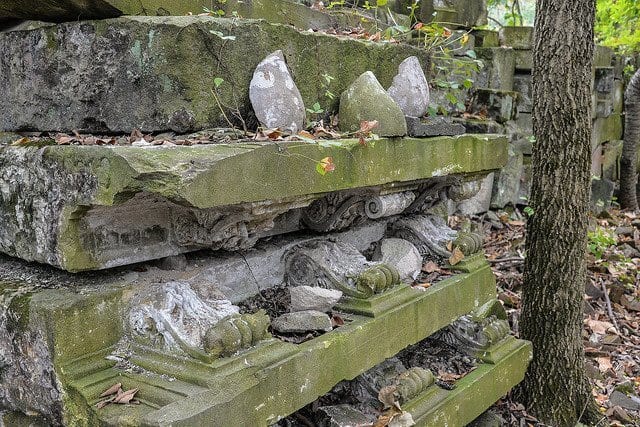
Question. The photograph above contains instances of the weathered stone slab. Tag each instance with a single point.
(83, 325)
(80, 207)
(87, 73)
(500, 105)
(465, 13)
(410, 89)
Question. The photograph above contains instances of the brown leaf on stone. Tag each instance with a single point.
(425, 285)
(362, 141)
(136, 135)
(336, 321)
(62, 139)
(450, 246)
(126, 396)
(456, 256)
(430, 267)
(367, 126)
(104, 402)
(112, 390)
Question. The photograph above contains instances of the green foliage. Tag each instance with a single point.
(600, 240)
(618, 24)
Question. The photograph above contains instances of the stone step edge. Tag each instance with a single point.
(474, 393)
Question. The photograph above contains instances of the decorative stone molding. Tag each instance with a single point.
(236, 333)
(336, 265)
(335, 211)
(474, 335)
(412, 382)
(429, 233)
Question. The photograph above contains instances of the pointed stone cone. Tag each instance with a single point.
(274, 96)
(367, 100)
(410, 89)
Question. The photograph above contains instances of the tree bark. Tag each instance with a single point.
(629, 159)
(555, 387)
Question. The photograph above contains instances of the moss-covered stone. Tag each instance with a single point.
(120, 205)
(517, 37)
(168, 64)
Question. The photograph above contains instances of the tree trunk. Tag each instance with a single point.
(555, 387)
(629, 159)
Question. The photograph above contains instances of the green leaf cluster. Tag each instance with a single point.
(618, 24)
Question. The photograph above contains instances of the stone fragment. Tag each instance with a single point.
(344, 416)
(524, 59)
(410, 89)
(465, 13)
(401, 254)
(274, 96)
(481, 202)
(480, 126)
(313, 298)
(433, 126)
(302, 321)
(618, 398)
(367, 100)
(488, 419)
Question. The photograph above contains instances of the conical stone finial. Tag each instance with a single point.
(274, 96)
(410, 89)
(367, 100)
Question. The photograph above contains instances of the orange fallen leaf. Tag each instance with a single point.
(430, 267)
(456, 256)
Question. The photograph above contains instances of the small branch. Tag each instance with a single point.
(512, 259)
(609, 309)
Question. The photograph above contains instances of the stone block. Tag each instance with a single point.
(486, 38)
(402, 255)
(524, 59)
(87, 72)
(525, 181)
(522, 85)
(524, 122)
(99, 207)
(481, 202)
(498, 70)
(603, 56)
(601, 194)
(302, 322)
(433, 126)
(606, 129)
(506, 186)
(517, 37)
(467, 14)
(498, 105)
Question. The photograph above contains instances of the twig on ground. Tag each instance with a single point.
(609, 309)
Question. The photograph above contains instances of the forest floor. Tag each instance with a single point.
(612, 308)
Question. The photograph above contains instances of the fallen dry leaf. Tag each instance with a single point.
(430, 267)
(112, 390)
(456, 256)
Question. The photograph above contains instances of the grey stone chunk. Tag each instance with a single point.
(618, 398)
(524, 59)
(274, 96)
(488, 419)
(344, 416)
(401, 254)
(433, 126)
(480, 126)
(410, 89)
(313, 298)
(302, 321)
(507, 182)
(481, 202)
(367, 100)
